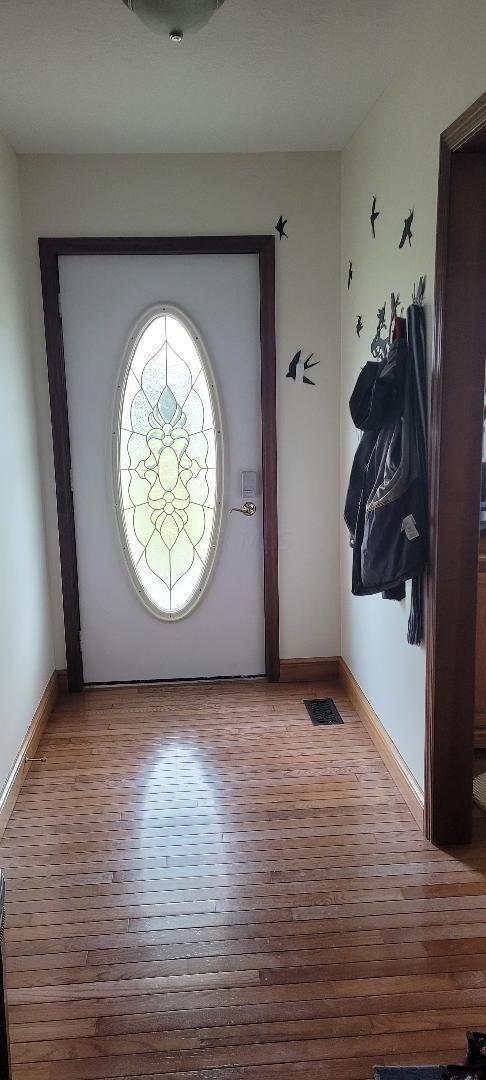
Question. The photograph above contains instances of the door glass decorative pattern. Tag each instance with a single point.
(168, 464)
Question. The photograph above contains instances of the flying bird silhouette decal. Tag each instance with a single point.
(359, 325)
(298, 367)
(280, 227)
(419, 291)
(379, 345)
(407, 230)
(350, 275)
(395, 304)
(374, 215)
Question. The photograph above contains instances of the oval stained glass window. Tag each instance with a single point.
(168, 463)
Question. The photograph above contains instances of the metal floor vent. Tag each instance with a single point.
(323, 711)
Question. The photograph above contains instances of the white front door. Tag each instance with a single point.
(147, 611)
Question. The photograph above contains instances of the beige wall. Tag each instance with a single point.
(26, 654)
(394, 154)
(188, 194)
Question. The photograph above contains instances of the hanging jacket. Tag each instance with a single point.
(386, 508)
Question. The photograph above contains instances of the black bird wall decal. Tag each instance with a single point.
(419, 291)
(374, 215)
(407, 230)
(359, 325)
(298, 367)
(379, 345)
(350, 275)
(280, 227)
(395, 304)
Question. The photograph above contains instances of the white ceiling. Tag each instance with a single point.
(85, 76)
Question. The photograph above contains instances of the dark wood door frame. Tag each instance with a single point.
(456, 419)
(50, 249)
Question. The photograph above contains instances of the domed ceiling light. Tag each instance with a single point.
(175, 18)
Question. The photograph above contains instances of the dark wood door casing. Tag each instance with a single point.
(50, 250)
(455, 440)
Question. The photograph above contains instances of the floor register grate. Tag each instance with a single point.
(323, 711)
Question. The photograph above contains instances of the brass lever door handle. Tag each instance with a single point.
(248, 509)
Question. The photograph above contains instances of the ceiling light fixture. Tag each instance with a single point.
(175, 18)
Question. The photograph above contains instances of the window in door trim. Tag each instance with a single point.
(168, 462)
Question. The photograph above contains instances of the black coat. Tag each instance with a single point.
(386, 508)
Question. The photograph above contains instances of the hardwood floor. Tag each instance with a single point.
(201, 884)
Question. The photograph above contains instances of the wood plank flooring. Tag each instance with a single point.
(204, 886)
